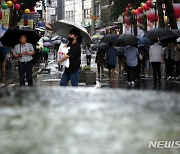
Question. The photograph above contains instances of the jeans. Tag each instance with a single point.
(88, 57)
(131, 73)
(74, 77)
(25, 70)
(156, 71)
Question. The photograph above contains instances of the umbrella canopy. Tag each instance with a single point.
(160, 33)
(62, 28)
(56, 42)
(55, 38)
(109, 38)
(45, 38)
(97, 36)
(176, 32)
(126, 40)
(47, 44)
(100, 46)
(144, 40)
(12, 35)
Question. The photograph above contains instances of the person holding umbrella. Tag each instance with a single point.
(23, 52)
(74, 55)
(22, 39)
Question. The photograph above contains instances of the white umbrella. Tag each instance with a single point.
(55, 38)
(62, 28)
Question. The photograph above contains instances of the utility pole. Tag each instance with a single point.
(74, 11)
(93, 14)
(83, 13)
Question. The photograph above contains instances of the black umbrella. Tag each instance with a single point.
(12, 35)
(176, 32)
(160, 33)
(109, 38)
(100, 46)
(126, 40)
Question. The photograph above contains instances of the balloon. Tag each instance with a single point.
(14, 1)
(133, 11)
(127, 9)
(9, 3)
(151, 16)
(27, 11)
(1, 15)
(4, 6)
(136, 12)
(146, 7)
(140, 9)
(17, 6)
(142, 4)
(149, 3)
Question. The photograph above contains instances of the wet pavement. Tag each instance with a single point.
(44, 78)
(58, 120)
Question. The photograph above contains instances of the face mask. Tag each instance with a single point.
(70, 40)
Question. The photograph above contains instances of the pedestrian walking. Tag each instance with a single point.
(169, 53)
(131, 56)
(100, 60)
(121, 61)
(156, 58)
(177, 61)
(88, 51)
(72, 72)
(45, 52)
(2, 60)
(23, 52)
(111, 60)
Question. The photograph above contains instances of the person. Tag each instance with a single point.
(100, 54)
(177, 61)
(156, 58)
(169, 53)
(37, 55)
(45, 52)
(111, 60)
(121, 61)
(3, 59)
(72, 72)
(24, 51)
(131, 56)
(88, 55)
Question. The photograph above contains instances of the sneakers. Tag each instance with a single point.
(132, 83)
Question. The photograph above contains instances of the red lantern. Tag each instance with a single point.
(140, 9)
(17, 6)
(149, 3)
(146, 7)
(136, 12)
(177, 9)
(1, 15)
(151, 16)
(14, 1)
(127, 20)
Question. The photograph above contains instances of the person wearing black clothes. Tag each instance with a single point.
(74, 55)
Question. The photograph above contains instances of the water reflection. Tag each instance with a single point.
(86, 121)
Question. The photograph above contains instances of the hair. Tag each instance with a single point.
(76, 32)
(88, 46)
(155, 40)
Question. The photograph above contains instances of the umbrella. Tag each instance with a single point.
(144, 40)
(160, 33)
(56, 42)
(109, 38)
(12, 35)
(176, 32)
(47, 44)
(97, 36)
(62, 28)
(100, 46)
(55, 38)
(45, 38)
(126, 40)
